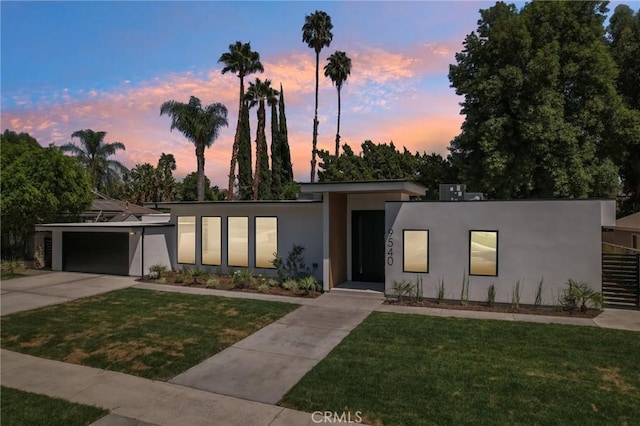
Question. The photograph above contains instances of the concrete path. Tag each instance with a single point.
(31, 292)
(144, 400)
(265, 365)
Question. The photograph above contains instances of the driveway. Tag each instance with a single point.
(26, 293)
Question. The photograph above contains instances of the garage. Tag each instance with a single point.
(96, 252)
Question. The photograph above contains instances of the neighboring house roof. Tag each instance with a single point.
(104, 209)
(629, 223)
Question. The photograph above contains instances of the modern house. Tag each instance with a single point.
(360, 234)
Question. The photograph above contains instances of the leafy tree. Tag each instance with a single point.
(285, 151)
(433, 170)
(93, 153)
(187, 189)
(142, 181)
(338, 69)
(198, 124)
(316, 32)
(38, 185)
(623, 36)
(242, 61)
(245, 177)
(166, 181)
(543, 118)
(259, 93)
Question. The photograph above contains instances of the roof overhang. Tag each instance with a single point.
(397, 186)
(101, 226)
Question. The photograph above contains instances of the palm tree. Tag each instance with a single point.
(242, 61)
(198, 124)
(93, 153)
(316, 32)
(338, 69)
(166, 167)
(259, 93)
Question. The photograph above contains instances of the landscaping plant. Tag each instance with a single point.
(291, 285)
(308, 285)
(157, 271)
(515, 296)
(440, 290)
(538, 301)
(242, 278)
(213, 283)
(293, 267)
(579, 296)
(464, 294)
(418, 288)
(491, 295)
(401, 289)
(195, 273)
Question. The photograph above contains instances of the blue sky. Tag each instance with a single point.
(109, 65)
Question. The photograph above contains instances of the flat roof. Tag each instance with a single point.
(360, 187)
(110, 225)
(168, 204)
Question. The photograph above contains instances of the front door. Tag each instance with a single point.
(367, 240)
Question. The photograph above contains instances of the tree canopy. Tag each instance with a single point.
(543, 118)
(38, 185)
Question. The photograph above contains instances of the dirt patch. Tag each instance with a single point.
(611, 375)
(503, 308)
(37, 342)
(231, 312)
(76, 356)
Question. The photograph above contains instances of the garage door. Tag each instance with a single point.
(96, 252)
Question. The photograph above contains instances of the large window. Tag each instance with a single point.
(211, 245)
(415, 250)
(238, 241)
(483, 253)
(187, 239)
(266, 241)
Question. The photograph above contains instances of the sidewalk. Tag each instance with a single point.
(136, 398)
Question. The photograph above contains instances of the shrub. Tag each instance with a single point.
(515, 296)
(263, 288)
(464, 293)
(273, 283)
(157, 271)
(195, 273)
(491, 295)
(418, 289)
(440, 290)
(539, 291)
(579, 296)
(401, 289)
(291, 285)
(293, 267)
(242, 278)
(179, 279)
(308, 284)
(161, 280)
(12, 266)
(212, 283)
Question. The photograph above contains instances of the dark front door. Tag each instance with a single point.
(367, 240)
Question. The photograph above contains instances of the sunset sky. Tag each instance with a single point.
(110, 65)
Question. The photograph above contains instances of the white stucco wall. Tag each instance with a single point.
(554, 240)
(299, 223)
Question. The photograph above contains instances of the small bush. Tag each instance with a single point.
(179, 279)
(308, 284)
(515, 296)
(538, 301)
(579, 296)
(440, 290)
(157, 271)
(273, 283)
(195, 273)
(212, 283)
(464, 293)
(418, 289)
(293, 267)
(242, 278)
(291, 285)
(11, 267)
(263, 288)
(401, 289)
(491, 295)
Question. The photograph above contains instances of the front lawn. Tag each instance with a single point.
(411, 369)
(29, 409)
(151, 334)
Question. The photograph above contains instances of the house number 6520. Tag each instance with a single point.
(389, 247)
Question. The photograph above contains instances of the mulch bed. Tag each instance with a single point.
(498, 307)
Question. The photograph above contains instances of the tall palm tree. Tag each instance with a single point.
(242, 61)
(166, 167)
(198, 124)
(316, 32)
(338, 69)
(93, 153)
(259, 93)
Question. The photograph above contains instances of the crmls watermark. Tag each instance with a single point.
(335, 417)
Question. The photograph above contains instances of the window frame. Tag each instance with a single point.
(255, 240)
(403, 250)
(495, 231)
(195, 237)
(202, 241)
(229, 265)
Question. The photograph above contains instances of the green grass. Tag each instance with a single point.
(150, 334)
(29, 409)
(411, 369)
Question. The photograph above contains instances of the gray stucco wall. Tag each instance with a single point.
(299, 223)
(159, 249)
(554, 240)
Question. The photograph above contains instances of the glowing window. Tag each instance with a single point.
(415, 250)
(483, 253)
(238, 241)
(266, 241)
(211, 244)
(187, 239)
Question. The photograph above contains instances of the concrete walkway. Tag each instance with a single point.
(31, 292)
(265, 365)
(137, 401)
